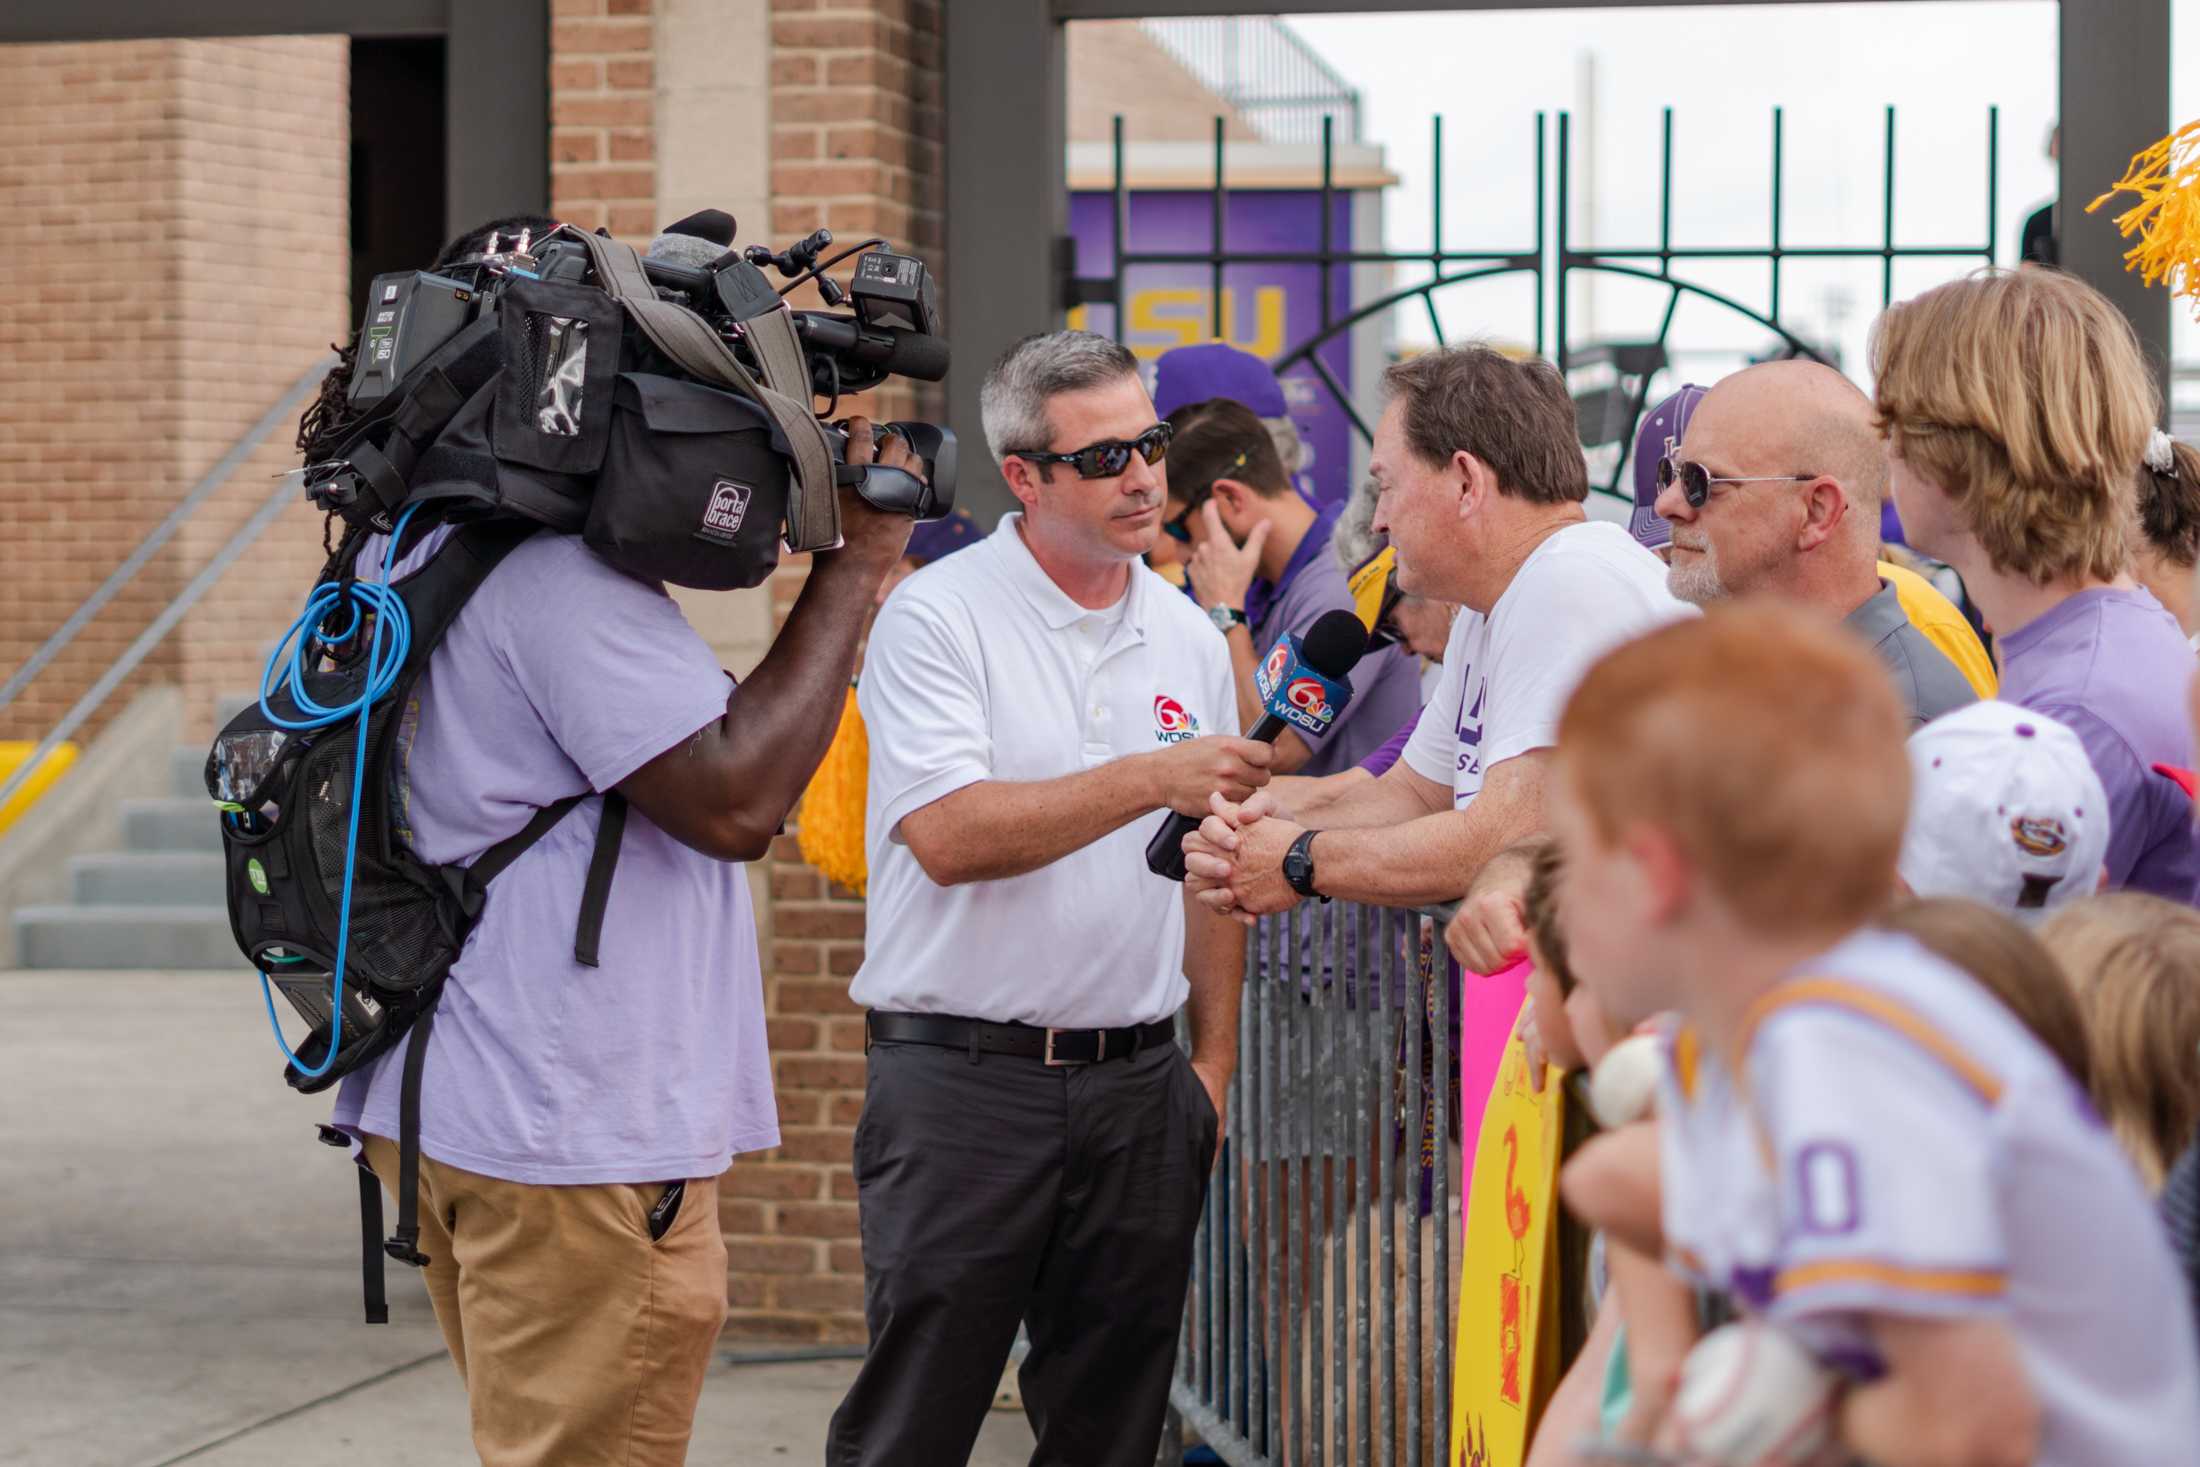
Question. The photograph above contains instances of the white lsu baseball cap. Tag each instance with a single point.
(2004, 809)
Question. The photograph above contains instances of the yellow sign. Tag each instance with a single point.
(1164, 318)
(1506, 1355)
(13, 754)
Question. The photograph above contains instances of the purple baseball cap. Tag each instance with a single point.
(1192, 374)
(937, 539)
(1663, 424)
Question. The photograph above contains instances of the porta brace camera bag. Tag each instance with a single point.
(547, 410)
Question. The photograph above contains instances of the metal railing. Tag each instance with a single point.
(284, 409)
(1318, 1326)
(1268, 75)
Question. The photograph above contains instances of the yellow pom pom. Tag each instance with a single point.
(2166, 219)
(831, 831)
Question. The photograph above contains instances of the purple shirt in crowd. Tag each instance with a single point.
(1379, 762)
(2115, 667)
(562, 676)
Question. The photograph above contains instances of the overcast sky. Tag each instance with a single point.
(1834, 68)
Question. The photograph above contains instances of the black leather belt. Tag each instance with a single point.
(1026, 1041)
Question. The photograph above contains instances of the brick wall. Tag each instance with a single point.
(857, 136)
(603, 137)
(790, 1214)
(146, 200)
(856, 146)
(84, 140)
(263, 173)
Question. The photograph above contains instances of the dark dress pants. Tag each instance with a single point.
(995, 1189)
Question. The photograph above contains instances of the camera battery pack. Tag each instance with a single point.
(894, 293)
(408, 315)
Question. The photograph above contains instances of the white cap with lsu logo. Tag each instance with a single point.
(2005, 809)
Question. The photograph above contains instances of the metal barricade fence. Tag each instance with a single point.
(1318, 1325)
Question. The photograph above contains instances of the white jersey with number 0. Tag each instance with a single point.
(1899, 1144)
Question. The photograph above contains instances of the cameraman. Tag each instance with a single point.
(574, 1122)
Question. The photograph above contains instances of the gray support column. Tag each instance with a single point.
(496, 111)
(1007, 208)
(2115, 101)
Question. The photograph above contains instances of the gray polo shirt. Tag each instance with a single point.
(1929, 683)
(1386, 685)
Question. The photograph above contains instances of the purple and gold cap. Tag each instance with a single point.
(1190, 374)
(1660, 433)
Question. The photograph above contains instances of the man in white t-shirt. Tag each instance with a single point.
(1479, 458)
(1034, 1147)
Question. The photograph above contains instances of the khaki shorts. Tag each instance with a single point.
(581, 1339)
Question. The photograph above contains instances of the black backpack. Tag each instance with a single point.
(308, 819)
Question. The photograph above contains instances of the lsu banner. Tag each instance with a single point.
(1506, 1352)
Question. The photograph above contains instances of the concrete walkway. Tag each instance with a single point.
(179, 1261)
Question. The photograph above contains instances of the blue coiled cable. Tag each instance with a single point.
(302, 647)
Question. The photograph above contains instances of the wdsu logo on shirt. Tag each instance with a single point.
(1173, 723)
(1295, 693)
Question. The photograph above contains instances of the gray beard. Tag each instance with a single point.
(1697, 583)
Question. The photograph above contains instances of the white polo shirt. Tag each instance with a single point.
(980, 668)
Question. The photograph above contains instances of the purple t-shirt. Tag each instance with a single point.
(559, 677)
(2115, 667)
(1379, 762)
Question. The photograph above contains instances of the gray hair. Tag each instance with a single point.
(1013, 403)
(1289, 448)
(1354, 538)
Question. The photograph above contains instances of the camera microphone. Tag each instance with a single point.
(696, 241)
(1302, 686)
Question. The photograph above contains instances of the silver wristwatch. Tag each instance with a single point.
(1226, 617)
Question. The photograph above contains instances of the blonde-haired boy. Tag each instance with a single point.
(1855, 1139)
(2017, 409)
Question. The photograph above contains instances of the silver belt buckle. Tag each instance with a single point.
(1100, 1051)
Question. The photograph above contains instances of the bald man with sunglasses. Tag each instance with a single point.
(1774, 490)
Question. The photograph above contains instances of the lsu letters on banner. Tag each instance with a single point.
(1507, 1350)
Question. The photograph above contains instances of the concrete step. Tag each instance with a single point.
(142, 878)
(187, 772)
(114, 938)
(171, 825)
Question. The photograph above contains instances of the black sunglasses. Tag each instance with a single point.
(1179, 529)
(1106, 460)
(1696, 480)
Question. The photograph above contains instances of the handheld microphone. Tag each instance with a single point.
(1302, 686)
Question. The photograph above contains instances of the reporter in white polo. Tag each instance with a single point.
(1033, 1146)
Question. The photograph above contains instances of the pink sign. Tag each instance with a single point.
(1489, 1006)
